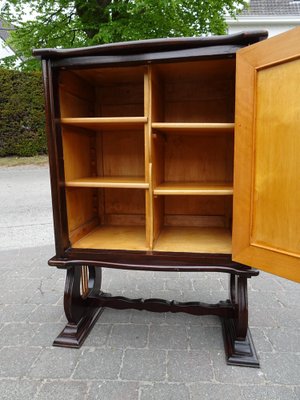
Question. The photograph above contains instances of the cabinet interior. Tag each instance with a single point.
(148, 156)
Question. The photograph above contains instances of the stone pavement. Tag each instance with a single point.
(129, 355)
(133, 355)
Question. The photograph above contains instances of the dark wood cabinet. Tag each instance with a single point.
(148, 144)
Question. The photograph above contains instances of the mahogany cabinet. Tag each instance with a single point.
(175, 155)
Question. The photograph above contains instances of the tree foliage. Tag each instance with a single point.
(22, 120)
(77, 23)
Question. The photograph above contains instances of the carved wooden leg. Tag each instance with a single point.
(80, 282)
(238, 342)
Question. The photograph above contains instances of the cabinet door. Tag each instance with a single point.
(266, 216)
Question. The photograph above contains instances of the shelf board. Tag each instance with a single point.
(111, 123)
(191, 188)
(114, 238)
(193, 127)
(194, 240)
(129, 182)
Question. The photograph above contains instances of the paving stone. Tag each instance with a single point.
(18, 389)
(57, 390)
(144, 365)
(110, 316)
(45, 333)
(179, 284)
(281, 368)
(148, 317)
(262, 340)
(287, 317)
(262, 317)
(16, 361)
(114, 390)
(46, 313)
(48, 297)
(208, 284)
(165, 391)
(235, 375)
(168, 337)
(260, 300)
(99, 335)
(297, 392)
(150, 284)
(213, 391)
(183, 319)
(55, 363)
(268, 393)
(128, 335)
(13, 313)
(99, 364)
(264, 284)
(284, 339)
(205, 337)
(16, 334)
(290, 298)
(189, 366)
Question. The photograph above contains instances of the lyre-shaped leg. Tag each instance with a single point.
(238, 341)
(80, 282)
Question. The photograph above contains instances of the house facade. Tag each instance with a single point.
(275, 16)
(5, 50)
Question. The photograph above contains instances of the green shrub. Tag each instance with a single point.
(22, 121)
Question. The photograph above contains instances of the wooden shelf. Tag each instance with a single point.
(190, 188)
(108, 123)
(129, 182)
(193, 127)
(194, 240)
(114, 238)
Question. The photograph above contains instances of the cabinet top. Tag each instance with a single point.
(154, 46)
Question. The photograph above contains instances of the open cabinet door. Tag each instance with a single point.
(266, 216)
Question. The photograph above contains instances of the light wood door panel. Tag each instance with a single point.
(266, 218)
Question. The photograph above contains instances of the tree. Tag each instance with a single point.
(77, 23)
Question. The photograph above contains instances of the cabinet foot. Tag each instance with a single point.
(238, 352)
(73, 335)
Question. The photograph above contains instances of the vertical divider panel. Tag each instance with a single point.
(148, 165)
(157, 147)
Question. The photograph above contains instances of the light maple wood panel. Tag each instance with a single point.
(121, 153)
(267, 114)
(192, 127)
(114, 238)
(76, 97)
(193, 91)
(110, 182)
(203, 158)
(194, 240)
(77, 152)
(276, 202)
(82, 212)
(107, 123)
(191, 188)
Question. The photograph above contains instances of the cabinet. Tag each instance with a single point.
(175, 155)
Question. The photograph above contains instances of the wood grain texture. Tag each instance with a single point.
(110, 182)
(107, 123)
(114, 237)
(266, 115)
(193, 127)
(190, 188)
(194, 240)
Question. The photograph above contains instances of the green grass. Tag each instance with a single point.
(16, 161)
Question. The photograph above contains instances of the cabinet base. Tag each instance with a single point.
(238, 352)
(84, 302)
(73, 335)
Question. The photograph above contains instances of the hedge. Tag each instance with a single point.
(22, 121)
